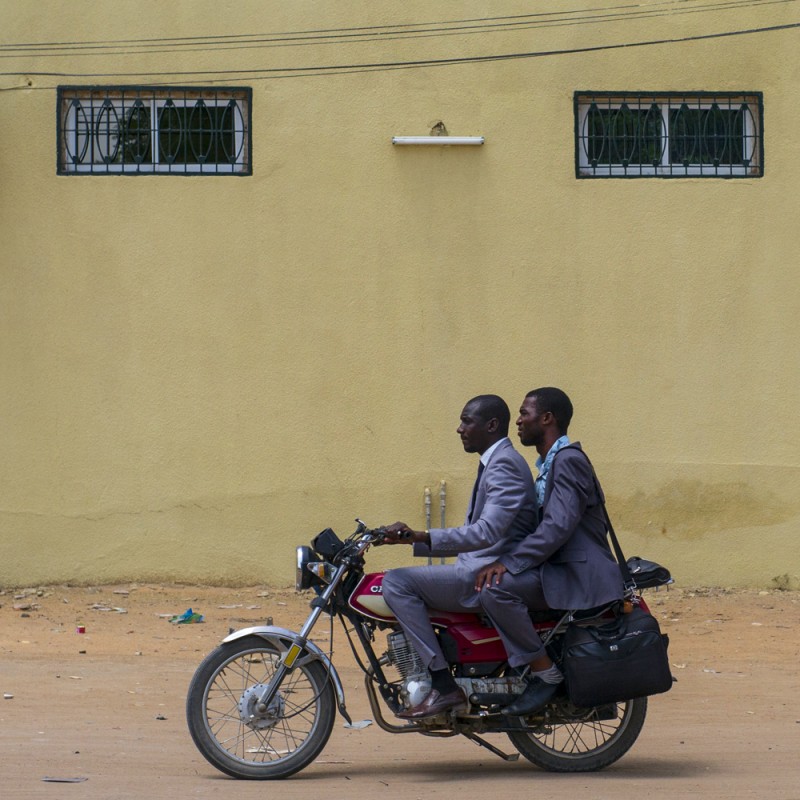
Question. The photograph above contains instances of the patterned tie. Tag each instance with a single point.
(475, 491)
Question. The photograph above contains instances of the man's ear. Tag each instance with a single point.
(492, 425)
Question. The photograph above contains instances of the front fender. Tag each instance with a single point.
(283, 639)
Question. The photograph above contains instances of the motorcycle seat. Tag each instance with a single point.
(609, 610)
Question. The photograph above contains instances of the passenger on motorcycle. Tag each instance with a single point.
(565, 563)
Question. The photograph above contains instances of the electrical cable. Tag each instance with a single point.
(357, 35)
(308, 71)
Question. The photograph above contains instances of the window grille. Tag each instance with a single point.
(669, 135)
(145, 130)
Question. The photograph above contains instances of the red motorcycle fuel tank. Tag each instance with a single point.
(475, 641)
(367, 598)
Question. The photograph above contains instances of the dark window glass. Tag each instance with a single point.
(137, 130)
(671, 135)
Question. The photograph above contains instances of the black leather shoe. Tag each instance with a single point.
(433, 704)
(535, 696)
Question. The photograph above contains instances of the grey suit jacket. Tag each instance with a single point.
(569, 546)
(503, 514)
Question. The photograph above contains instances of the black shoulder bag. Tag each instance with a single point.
(626, 657)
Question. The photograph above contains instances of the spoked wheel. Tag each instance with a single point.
(239, 739)
(583, 740)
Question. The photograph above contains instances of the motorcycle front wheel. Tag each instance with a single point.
(238, 739)
(584, 740)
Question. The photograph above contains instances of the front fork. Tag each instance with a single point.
(300, 645)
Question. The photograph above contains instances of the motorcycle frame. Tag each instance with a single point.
(337, 571)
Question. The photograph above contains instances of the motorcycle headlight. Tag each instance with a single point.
(303, 578)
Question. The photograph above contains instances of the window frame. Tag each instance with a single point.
(752, 138)
(122, 99)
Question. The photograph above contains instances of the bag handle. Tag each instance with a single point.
(630, 583)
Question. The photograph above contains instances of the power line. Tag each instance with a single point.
(325, 32)
(383, 33)
(281, 72)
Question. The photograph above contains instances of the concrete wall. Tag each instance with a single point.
(197, 374)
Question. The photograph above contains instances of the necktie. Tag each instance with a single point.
(475, 491)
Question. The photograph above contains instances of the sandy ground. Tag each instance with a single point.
(107, 705)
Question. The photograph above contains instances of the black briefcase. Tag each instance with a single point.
(619, 661)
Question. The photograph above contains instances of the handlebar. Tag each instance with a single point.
(376, 535)
(355, 546)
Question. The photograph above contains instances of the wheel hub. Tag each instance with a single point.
(260, 720)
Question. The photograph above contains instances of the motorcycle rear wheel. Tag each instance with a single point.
(238, 740)
(584, 745)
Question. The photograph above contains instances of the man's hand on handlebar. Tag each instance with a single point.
(489, 575)
(400, 533)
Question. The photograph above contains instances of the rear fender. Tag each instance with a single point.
(283, 639)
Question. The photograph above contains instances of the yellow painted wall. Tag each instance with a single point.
(198, 374)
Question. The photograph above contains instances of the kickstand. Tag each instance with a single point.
(483, 743)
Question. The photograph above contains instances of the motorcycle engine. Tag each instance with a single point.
(416, 678)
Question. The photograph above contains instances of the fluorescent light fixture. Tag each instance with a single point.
(440, 140)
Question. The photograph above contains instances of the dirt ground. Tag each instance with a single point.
(107, 705)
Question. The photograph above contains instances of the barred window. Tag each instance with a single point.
(145, 130)
(669, 135)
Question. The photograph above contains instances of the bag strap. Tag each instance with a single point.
(630, 583)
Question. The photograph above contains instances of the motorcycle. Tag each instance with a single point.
(262, 705)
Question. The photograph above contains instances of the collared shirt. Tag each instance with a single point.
(487, 453)
(543, 465)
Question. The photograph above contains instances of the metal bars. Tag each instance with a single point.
(669, 135)
(136, 130)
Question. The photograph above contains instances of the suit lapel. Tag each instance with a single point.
(479, 493)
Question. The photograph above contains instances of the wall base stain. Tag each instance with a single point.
(687, 510)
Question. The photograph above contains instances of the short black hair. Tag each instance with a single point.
(490, 406)
(548, 398)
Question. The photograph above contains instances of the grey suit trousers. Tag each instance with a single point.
(411, 591)
(502, 605)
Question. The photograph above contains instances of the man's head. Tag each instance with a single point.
(544, 416)
(484, 421)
